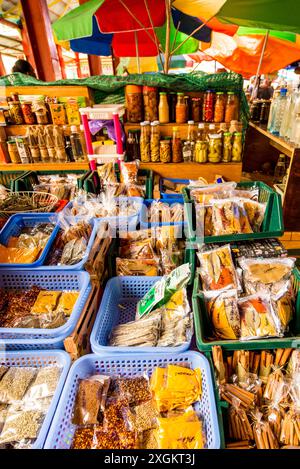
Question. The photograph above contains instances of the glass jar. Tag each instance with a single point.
(172, 100)
(145, 143)
(196, 109)
(187, 151)
(133, 145)
(150, 103)
(165, 151)
(154, 142)
(176, 146)
(201, 151)
(214, 148)
(13, 152)
(237, 147)
(208, 106)
(134, 103)
(15, 112)
(187, 107)
(219, 107)
(180, 109)
(232, 107)
(227, 147)
(41, 116)
(28, 115)
(163, 109)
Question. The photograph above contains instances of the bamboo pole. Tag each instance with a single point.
(138, 62)
(260, 63)
(168, 26)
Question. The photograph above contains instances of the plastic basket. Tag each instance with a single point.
(203, 328)
(103, 111)
(272, 226)
(62, 430)
(164, 195)
(7, 178)
(144, 214)
(40, 359)
(15, 279)
(79, 265)
(14, 226)
(118, 306)
(43, 203)
(29, 179)
(117, 222)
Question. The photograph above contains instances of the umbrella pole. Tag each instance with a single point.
(167, 51)
(260, 64)
(138, 62)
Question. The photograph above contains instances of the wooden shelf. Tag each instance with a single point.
(44, 167)
(279, 143)
(166, 130)
(230, 171)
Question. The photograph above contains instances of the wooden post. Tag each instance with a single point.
(167, 49)
(78, 66)
(94, 60)
(27, 46)
(36, 16)
(2, 67)
(61, 62)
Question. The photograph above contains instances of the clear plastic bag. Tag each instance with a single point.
(46, 302)
(142, 333)
(90, 400)
(129, 267)
(45, 383)
(21, 425)
(66, 302)
(129, 172)
(142, 417)
(229, 217)
(205, 194)
(223, 314)
(15, 383)
(266, 275)
(255, 212)
(217, 270)
(135, 390)
(258, 318)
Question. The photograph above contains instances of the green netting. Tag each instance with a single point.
(110, 89)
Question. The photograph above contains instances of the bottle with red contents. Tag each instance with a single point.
(208, 106)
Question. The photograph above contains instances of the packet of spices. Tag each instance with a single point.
(14, 384)
(90, 400)
(3, 370)
(163, 290)
(135, 390)
(45, 383)
(141, 417)
(112, 439)
(21, 426)
(113, 415)
(83, 438)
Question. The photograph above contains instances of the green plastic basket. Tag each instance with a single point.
(8, 179)
(29, 179)
(203, 328)
(91, 183)
(272, 226)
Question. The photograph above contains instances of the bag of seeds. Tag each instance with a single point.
(15, 383)
(45, 383)
(21, 426)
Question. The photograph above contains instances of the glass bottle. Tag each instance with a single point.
(208, 106)
(145, 143)
(172, 100)
(154, 142)
(33, 145)
(134, 103)
(180, 109)
(219, 113)
(196, 109)
(295, 137)
(227, 147)
(201, 145)
(187, 151)
(69, 150)
(165, 150)
(187, 107)
(232, 107)
(237, 147)
(76, 144)
(279, 111)
(150, 103)
(279, 169)
(163, 109)
(43, 146)
(214, 148)
(83, 143)
(59, 142)
(130, 145)
(176, 146)
(191, 137)
(50, 145)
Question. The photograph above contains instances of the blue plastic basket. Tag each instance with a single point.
(166, 196)
(79, 265)
(39, 359)
(118, 306)
(116, 222)
(17, 223)
(144, 215)
(14, 338)
(62, 430)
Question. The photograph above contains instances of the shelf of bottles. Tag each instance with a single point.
(177, 127)
(41, 130)
(284, 117)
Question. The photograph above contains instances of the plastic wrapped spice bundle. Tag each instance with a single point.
(263, 392)
(70, 245)
(28, 246)
(223, 313)
(159, 212)
(258, 318)
(129, 417)
(217, 269)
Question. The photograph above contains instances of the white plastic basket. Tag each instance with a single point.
(103, 111)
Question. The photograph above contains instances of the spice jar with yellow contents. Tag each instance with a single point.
(145, 143)
(150, 103)
(154, 142)
(214, 148)
(180, 109)
(176, 146)
(165, 150)
(134, 103)
(232, 107)
(237, 147)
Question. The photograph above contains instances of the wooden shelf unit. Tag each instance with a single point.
(263, 147)
(230, 171)
(44, 167)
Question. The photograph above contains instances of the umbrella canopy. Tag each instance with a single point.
(241, 53)
(267, 14)
(129, 28)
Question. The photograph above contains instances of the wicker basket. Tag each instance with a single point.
(41, 201)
